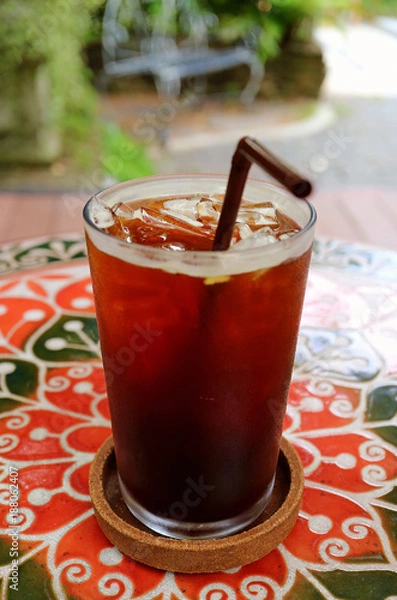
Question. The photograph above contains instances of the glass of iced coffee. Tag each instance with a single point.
(198, 346)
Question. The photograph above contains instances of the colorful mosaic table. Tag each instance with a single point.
(342, 419)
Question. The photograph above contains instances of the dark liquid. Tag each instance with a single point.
(198, 377)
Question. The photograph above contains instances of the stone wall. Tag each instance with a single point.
(26, 132)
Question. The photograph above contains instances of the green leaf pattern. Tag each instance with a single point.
(52, 400)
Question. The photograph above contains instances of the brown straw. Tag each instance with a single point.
(251, 151)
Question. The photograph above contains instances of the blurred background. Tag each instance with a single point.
(94, 91)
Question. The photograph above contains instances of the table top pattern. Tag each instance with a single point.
(342, 419)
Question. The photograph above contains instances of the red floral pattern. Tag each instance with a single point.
(54, 416)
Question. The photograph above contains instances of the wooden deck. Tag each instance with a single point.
(367, 215)
(29, 215)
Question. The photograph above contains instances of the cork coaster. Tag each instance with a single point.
(196, 556)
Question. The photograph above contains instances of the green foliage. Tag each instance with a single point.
(274, 21)
(372, 8)
(51, 32)
(123, 157)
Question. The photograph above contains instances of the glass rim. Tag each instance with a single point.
(190, 254)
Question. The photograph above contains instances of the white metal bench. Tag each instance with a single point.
(137, 42)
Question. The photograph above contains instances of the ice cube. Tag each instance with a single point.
(207, 212)
(103, 218)
(262, 237)
(257, 205)
(193, 222)
(244, 230)
(286, 224)
(102, 214)
(123, 211)
(174, 224)
(184, 206)
(268, 212)
(257, 218)
(109, 218)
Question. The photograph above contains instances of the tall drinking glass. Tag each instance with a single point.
(198, 350)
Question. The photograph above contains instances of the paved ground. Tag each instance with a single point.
(349, 139)
(358, 148)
